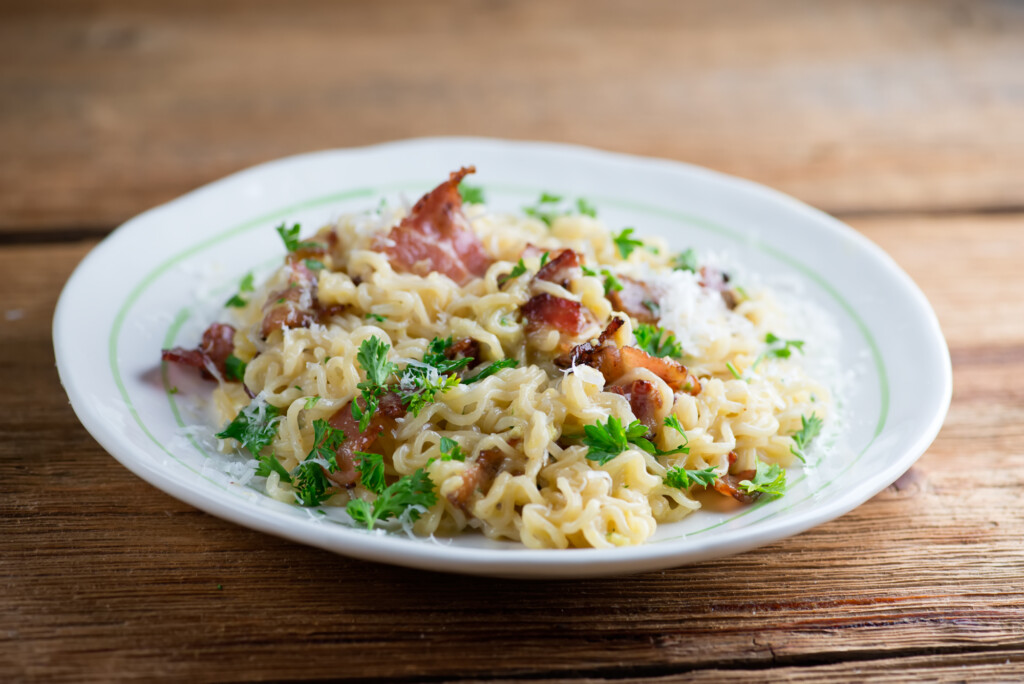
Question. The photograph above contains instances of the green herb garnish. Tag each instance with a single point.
(404, 496)
(768, 479)
(657, 341)
(254, 427)
(810, 428)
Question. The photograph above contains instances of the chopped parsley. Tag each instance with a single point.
(310, 402)
(490, 370)
(810, 428)
(732, 369)
(685, 261)
(549, 207)
(471, 194)
(780, 348)
(234, 368)
(314, 264)
(657, 341)
(451, 451)
(407, 495)
(670, 422)
(625, 243)
(269, 464)
(254, 427)
(375, 317)
(246, 285)
(768, 479)
(681, 478)
(310, 478)
(544, 258)
(372, 357)
(586, 208)
(371, 470)
(611, 283)
(608, 440)
(517, 271)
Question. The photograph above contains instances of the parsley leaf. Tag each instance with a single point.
(608, 440)
(490, 370)
(408, 493)
(310, 478)
(371, 470)
(768, 479)
(810, 428)
(451, 451)
(269, 464)
(611, 283)
(586, 208)
(246, 285)
(236, 301)
(519, 270)
(372, 357)
(657, 341)
(625, 243)
(471, 194)
(681, 478)
(310, 402)
(311, 483)
(326, 441)
(314, 264)
(685, 261)
(234, 368)
(290, 237)
(254, 427)
(544, 258)
(785, 350)
(424, 388)
(375, 317)
(588, 271)
(670, 422)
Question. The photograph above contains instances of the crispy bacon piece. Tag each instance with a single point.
(479, 475)
(644, 399)
(216, 346)
(714, 279)
(637, 299)
(728, 485)
(614, 362)
(384, 420)
(436, 236)
(467, 348)
(562, 268)
(564, 315)
(295, 306)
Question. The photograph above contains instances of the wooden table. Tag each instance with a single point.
(904, 118)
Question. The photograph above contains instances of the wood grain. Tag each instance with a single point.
(105, 577)
(109, 107)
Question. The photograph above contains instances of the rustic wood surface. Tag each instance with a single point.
(906, 118)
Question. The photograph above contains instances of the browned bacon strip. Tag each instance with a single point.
(644, 400)
(564, 315)
(467, 348)
(728, 485)
(614, 362)
(436, 236)
(384, 420)
(295, 306)
(479, 475)
(637, 299)
(216, 346)
(561, 269)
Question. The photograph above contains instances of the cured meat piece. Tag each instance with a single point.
(714, 279)
(437, 237)
(614, 362)
(467, 348)
(562, 268)
(479, 475)
(637, 299)
(548, 311)
(384, 420)
(216, 346)
(296, 305)
(644, 400)
(728, 485)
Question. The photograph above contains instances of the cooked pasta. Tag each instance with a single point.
(619, 379)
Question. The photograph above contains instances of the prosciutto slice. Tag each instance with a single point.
(548, 311)
(562, 268)
(437, 237)
(296, 305)
(384, 420)
(637, 299)
(213, 351)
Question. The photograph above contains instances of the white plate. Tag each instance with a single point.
(139, 291)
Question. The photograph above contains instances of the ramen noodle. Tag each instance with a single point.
(535, 377)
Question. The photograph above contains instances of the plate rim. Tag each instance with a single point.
(517, 561)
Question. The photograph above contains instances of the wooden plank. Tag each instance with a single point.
(110, 107)
(105, 577)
